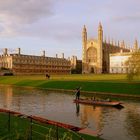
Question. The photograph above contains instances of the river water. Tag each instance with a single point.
(113, 123)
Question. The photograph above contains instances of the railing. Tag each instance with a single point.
(16, 126)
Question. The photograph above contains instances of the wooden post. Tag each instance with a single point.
(57, 138)
(31, 128)
(9, 124)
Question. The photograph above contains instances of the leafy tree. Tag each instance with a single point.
(133, 64)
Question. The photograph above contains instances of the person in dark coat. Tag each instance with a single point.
(48, 76)
(78, 93)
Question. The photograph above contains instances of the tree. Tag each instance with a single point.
(133, 65)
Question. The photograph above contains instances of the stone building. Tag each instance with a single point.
(31, 64)
(95, 52)
(76, 65)
(118, 60)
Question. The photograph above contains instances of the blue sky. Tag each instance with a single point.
(56, 25)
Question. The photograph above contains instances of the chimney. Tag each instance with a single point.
(118, 44)
(123, 44)
(5, 51)
(68, 58)
(43, 53)
(18, 51)
(62, 55)
(56, 55)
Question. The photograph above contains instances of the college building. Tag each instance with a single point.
(118, 60)
(99, 56)
(76, 65)
(31, 64)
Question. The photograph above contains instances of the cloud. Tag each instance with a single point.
(36, 18)
(25, 11)
(54, 29)
(130, 18)
(62, 20)
(17, 13)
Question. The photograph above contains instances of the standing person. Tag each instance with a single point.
(48, 76)
(78, 94)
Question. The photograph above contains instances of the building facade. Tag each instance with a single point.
(118, 60)
(76, 65)
(30, 64)
(95, 52)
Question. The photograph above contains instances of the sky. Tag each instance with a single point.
(56, 25)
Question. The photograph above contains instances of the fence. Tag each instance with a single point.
(16, 126)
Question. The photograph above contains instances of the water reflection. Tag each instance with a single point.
(133, 122)
(7, 98)
(113, 123)
(77, 109)
(91, 116)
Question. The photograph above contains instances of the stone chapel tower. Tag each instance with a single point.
(96, 52)
(84, 44)
(136, 46)
(92, 52)
(100, 49)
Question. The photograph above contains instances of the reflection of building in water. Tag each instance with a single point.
(133, 121)
(8, 101)
(91, 114)
(43, 101)
(19, 103)
(8, 97)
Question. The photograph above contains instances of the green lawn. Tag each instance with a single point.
(109, 83)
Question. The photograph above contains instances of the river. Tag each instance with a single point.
(114, 124)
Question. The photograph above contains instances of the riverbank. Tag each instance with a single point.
(116, 85)
(20, 126)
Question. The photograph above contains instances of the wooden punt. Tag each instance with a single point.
(99, 103)
(55, 123)
(67, 126)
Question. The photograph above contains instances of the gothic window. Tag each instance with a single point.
(92, 55)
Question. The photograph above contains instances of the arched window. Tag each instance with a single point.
(92, 55)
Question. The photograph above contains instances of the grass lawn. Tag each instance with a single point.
(109, 83)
